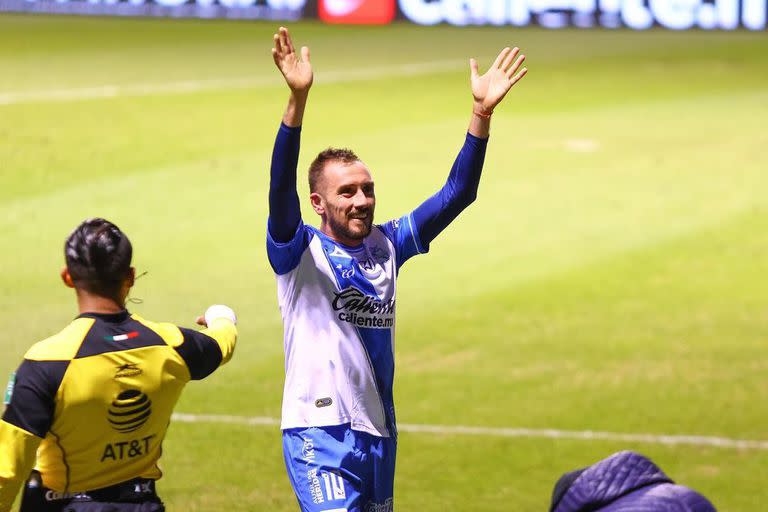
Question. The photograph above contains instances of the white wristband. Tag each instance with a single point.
(219, 311)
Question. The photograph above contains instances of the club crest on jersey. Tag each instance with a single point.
(362, 310)
(379, 254)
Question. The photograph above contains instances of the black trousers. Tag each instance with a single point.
(137, 495)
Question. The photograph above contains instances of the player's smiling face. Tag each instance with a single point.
(346, 201)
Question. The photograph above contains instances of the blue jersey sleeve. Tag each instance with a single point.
(284, 209)
(404, 236)
(459, 191)
(285, 256)
(287, 237)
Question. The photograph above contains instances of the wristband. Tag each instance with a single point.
(219, 311)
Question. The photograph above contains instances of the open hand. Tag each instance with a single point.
(296, 70)
(489, 89)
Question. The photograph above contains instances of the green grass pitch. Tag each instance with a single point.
(611, 275)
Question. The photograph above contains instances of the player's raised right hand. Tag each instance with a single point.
(296, 70)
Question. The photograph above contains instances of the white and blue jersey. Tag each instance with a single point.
(338, 305)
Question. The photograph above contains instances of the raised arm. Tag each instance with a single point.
(284, 210)
(460, 190)
(297, 72)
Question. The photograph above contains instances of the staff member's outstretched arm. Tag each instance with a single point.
(460, 190)
(284, 210)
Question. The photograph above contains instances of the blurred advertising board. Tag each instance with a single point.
(283, 10)
(376, 12)
(634, 14)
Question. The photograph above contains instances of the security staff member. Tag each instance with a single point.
(92, 403)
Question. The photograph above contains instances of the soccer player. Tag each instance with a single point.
(336, 291)
(91, 404)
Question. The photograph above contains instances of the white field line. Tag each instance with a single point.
(194, 86)
(581, 435)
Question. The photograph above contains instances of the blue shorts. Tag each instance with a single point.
(337, 469)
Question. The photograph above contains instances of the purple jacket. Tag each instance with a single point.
(624, 482)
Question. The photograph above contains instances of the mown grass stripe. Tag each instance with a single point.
(546, 433)
(194, 86)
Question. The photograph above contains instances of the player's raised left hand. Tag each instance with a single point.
(489, 89)
(296, 70)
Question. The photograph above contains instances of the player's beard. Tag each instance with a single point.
(351, 228)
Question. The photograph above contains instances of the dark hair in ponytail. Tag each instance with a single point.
(98, 257)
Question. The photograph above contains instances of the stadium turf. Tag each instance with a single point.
(610, 277)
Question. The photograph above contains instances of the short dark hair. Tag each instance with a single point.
(343, 155)
(98, 256)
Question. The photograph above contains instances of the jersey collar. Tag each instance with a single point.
(122, 316)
